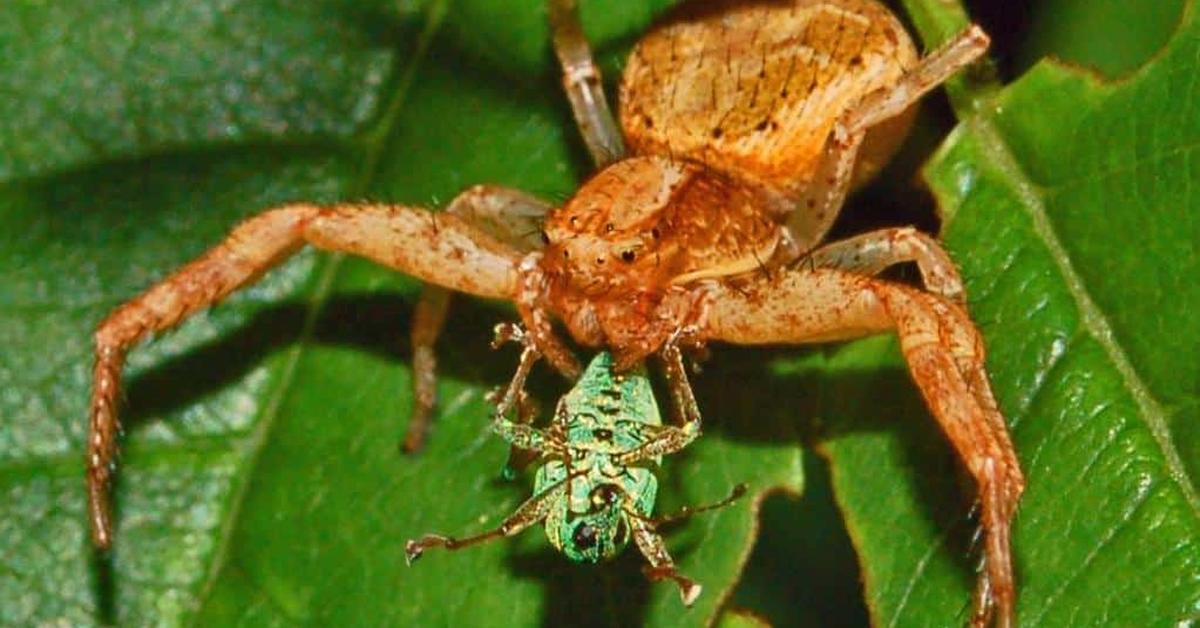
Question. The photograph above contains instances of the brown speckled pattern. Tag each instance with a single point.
(753, 88)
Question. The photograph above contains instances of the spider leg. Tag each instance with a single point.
(442, 249)
(583, 84)
(429, 316)
(539, 330)
(527, 514)
(933, 70)
(945, 356)
(511, 216)
(872, 252)
(820, 200)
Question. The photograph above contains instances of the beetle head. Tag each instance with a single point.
(598, 534)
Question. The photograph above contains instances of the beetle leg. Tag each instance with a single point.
(945, 356)
(686, 410)
(523, 437)
(668, 439)
(441, 249)
(663, 440)
(819, 203)
(529, 513)
(511, 216)
(514, 395)
(870, 253)
(661, 565)
(519, 433)
(583, 84)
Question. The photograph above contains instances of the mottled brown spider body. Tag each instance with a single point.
(734, 106)
(748, 121)
(637, 232)
(754, 88)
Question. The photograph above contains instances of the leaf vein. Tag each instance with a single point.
(918, 571)
(374, 144)
(1094, 322)
(1126, 518)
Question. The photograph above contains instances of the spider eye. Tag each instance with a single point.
(628, 256)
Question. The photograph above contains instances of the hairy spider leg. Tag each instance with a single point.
(872, 252)
(584, 85)
(437, 248)
(945, 356)
(509, 215)
(819, 203)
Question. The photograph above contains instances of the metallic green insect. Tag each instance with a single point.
(596, 488)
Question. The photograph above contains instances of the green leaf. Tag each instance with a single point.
(1070, 206)
(1110, 36)
(261, 481)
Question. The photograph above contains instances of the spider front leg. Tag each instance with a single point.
(442, 249)
(539, 329)
(819, 202)
(512, 217)
(945, 356)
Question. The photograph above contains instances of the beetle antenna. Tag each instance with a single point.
(688, 511)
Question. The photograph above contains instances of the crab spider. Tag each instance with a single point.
(742, 128)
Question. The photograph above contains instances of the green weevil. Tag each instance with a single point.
(596, 487)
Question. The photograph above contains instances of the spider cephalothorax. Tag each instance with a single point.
(623, 246)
